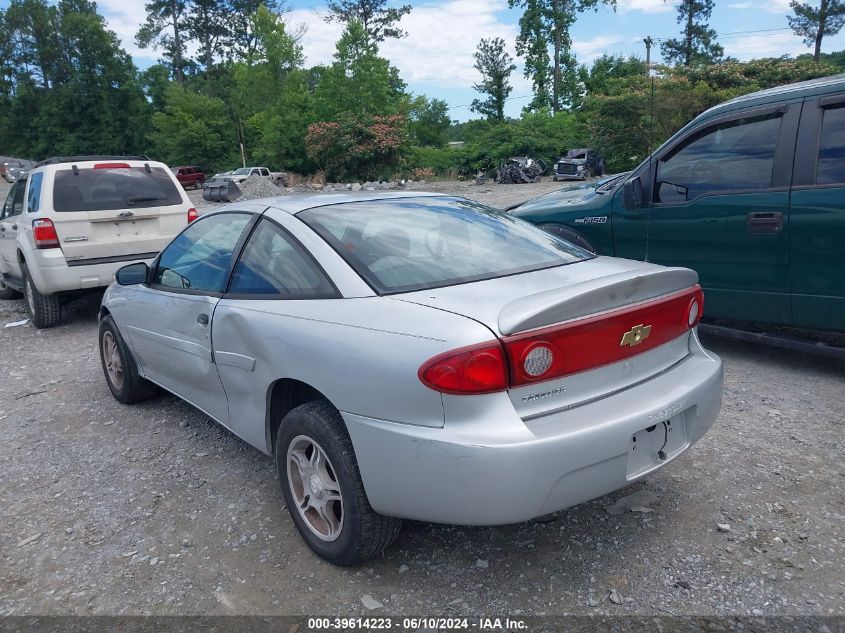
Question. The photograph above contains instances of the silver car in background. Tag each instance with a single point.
(415, 356)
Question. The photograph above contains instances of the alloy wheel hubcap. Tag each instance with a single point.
(315, 489)
(111, 359)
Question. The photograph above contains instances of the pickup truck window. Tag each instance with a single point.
(735, 155)
(831, 165)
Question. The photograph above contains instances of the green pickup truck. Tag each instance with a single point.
(750, 194)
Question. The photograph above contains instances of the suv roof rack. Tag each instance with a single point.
(55, 160)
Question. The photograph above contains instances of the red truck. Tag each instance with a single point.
(189, 176)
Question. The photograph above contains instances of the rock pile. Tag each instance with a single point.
(256, 187)
(371, 186)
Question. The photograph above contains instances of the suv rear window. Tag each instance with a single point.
(122, 188)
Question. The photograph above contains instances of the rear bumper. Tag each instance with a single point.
(50, 271)
(492, 473)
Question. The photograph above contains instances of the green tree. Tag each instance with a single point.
(609, 67)
(359, 80)
(207, 24)
(241, 24)
(814, 23)
(194, 129)
(429, 121)
(34, 29)
(532, 43)
(697, 45)
(378, 20)
(166, 27)
(495, 65)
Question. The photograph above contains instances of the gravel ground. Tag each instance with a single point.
(109, 509)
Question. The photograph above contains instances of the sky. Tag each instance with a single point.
(435, 59)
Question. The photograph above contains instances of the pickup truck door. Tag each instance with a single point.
(817, 216)
(720, 205)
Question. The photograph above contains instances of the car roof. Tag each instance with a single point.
(88, 162)
(810, 88)
(295, 204)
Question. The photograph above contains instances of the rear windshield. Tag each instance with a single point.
(420, 243)
(103, 189)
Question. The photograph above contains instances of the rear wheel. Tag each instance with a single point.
(323, 490)
(44, 310)
(6, 292)
(119, 367)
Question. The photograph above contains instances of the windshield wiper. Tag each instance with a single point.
(143, 199)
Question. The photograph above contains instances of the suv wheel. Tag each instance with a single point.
(323, 490)
(6, 292)
(45, 310)
(119, 367)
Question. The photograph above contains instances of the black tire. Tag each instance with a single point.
(131, 388)
(363, 532)
(6, 292)
(44, 310)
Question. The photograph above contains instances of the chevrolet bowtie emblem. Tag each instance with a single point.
(635, 335)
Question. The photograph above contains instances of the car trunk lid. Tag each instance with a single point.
(589, 314)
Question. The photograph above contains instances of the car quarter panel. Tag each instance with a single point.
(362, 354)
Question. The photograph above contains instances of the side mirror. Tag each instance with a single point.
(132, 274)
(632, 193)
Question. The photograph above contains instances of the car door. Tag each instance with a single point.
(720, 205)
(168, 321)
(10, 226)
(262, 321)
(817, 216)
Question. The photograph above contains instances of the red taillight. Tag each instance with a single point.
(569, 348)
(44, 234)
(468, 370)
(602, 339)
(112, 166)
(193, 214)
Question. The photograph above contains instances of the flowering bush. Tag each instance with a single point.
(355, 147)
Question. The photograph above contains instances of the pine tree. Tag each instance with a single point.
(813, 24)
(166, 27)
(697, 46)
(379, 20)
(495, 65)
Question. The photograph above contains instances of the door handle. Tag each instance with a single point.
(765, 222)
(202, 319)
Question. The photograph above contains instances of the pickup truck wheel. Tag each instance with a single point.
(119, 367)
(323, 490)
(6, 292)
(44, 310)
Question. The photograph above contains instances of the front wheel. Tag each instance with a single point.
(323, 490)
(44, 310)
(119, 367)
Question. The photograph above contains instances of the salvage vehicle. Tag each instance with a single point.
(189, 176)
(519, 169)
(579, 163)
(415, 356)
(71, 222)
(750, 194)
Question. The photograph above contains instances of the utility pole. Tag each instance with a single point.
(648, 43)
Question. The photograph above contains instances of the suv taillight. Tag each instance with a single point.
(193, 214)
(44, 234)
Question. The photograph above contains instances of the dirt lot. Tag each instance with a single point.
(154, 509)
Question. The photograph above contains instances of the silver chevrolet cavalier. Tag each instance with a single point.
(418, 356)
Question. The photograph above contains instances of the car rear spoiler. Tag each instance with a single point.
(592, 297)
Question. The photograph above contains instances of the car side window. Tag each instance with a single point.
(736, 155)
(14, 201)
(33, 198)
(830, 168)
(274, 265)
(200, 257)
(265, 172)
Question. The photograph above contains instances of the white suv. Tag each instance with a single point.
(73, 221)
